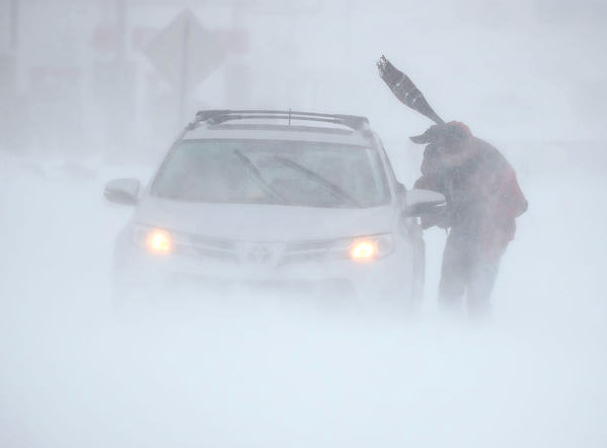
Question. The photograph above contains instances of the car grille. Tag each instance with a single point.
(309, 251)
(268, 253)
(217, 249)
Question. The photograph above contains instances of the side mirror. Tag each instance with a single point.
(423, 203)
(122, 191)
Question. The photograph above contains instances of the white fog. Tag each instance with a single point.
(81, 104)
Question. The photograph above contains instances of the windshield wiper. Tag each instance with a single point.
(257, 175)
(330, 186)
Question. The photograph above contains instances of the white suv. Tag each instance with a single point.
(295, 201)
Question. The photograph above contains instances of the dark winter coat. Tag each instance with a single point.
(483, 195)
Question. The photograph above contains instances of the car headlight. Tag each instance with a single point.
(159, 241)
(156, 240)
(371, 247)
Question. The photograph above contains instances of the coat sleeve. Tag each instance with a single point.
(505, 203)
(430, 180)
(512, 201)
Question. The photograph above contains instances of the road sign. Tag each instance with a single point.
(184, 52)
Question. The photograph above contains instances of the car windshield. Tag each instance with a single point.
(273, 172)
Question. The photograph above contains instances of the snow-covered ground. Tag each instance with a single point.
(73, 375)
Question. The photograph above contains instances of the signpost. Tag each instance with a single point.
(185, 53)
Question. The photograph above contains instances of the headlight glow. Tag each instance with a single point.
(363, 250)
(159, 241)
(371, 247)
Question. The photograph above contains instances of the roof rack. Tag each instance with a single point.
(218, 116)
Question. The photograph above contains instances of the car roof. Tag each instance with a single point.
(291, 125)
(268, 131)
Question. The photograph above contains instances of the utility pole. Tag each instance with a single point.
(184, 81)
(122, 28)
(13, 26)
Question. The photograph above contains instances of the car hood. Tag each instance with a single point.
(256, 222)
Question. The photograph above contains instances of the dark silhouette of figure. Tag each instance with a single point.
(483, 198)
(483, 201)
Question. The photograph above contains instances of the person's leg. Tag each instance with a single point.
(454, 273)
(482, 278)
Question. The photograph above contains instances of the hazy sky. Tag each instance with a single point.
(512, 70)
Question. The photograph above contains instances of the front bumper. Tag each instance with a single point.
(366, 280)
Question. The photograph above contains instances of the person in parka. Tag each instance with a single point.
(483, 201)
